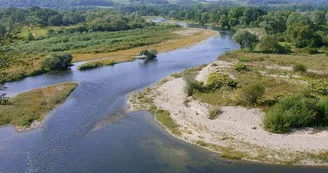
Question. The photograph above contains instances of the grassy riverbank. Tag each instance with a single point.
(30, 106)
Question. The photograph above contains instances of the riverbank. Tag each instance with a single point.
(238, 132)
(27, 110)
(185, 37)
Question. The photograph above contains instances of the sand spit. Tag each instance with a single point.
(238, 132)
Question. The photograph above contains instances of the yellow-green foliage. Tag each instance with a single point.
(90, 65)
(240, 67)
(218, 80)
(33, 105)
(300, 68)
(252, 93)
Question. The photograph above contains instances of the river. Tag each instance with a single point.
(93, 132)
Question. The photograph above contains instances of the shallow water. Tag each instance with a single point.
(92, 132)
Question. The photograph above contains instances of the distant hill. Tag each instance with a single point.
(78, 3)
(54, 3)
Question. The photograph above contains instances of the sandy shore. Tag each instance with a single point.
(237, 133)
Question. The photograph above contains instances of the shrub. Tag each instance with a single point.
(311, 50)
(241, 67)
(218, 80)
(90, 65)
(319, 87)
(295, 111)
(323, 108)
(213, 113)
(148, 53)
(191, 86)
(251, 94)
(56, 61)
(300, 68)
(269, 44)
(244, 60)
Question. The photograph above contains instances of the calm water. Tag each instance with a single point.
(80, 135)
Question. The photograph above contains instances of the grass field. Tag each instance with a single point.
(314, 62)
(33, 105)
(41, 31)
(180, 41)
(86, 46)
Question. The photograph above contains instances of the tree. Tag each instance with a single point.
(303, 35)
(269, 44)
(55, 20)
(56, 61)
(318, 17)
(274, 22)
(3, 97)
(234, 15)
(30, 37)
(245, 39)
(224, 21)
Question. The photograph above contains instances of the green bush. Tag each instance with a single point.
(218, 80)
(240, 67)
(300, 68)
(91, 65)
(191, 86)
(323, 108)
(269, 44)
(56, 61)
(251, 94)
(295, 111)
(148, 53)
(213, 113)
(319, 87)
(311, 50)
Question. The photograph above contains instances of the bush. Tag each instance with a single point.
(218, 80)
(323, 108)
(319, 87)
(311, 50)
(191, 86)
(91, 65)
(213, 113)
(295, 111)
(148, 54)
(269, 44)
(252, 93)
(300, 68)
(241, 67)
(56, 61)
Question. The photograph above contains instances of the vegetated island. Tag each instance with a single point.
(27, 110)
(247, 106)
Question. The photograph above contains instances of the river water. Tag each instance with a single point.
(93, 132)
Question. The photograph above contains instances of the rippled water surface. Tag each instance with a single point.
(92, 132)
